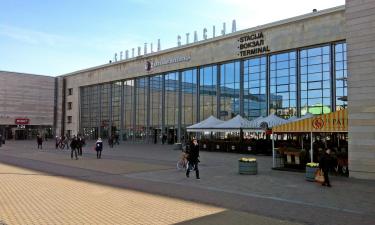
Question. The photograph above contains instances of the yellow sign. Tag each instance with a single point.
(331, 122)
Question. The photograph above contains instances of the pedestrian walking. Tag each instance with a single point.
(163, 138)
(325, 164)
(80, 142)
(192, 158)
(57, 141)
(117, 138)
(99, 148)
(110, 141)
(73, 147)
(39, 140)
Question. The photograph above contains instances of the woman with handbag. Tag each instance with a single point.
(325, 165)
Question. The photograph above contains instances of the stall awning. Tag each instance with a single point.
(331, 122)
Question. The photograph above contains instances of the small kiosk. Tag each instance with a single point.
(334, 123)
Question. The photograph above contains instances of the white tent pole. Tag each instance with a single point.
(302, 140)
(273, 151)
(311, 148)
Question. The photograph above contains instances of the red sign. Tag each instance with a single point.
(318, 123)
(22, 121)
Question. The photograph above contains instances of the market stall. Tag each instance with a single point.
(335, 122)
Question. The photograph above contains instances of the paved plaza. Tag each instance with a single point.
(139, 184)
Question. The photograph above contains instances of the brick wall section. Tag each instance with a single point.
(360, 26)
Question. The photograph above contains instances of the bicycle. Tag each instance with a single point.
(182, 163)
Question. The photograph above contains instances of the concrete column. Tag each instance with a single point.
(218, 91)
(242, 88)
(148, 110)
(110, 109)
(360, 17)
(134, 110)
(100, 109)
(179, 105)
(198, 100)
(333, 77)
(122, 107)
(163, 105)
(268, 81)
(298, 77)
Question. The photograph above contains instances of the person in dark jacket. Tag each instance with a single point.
(99, 148)
(325, 164)
(39, 139)
(111, 140)
(192, 158)
(80, 142)
(73, 146)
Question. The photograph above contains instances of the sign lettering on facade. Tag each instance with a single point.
(21, 121)
(252, 44)
(152, 64)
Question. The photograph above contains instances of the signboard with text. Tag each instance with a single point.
(21, 121)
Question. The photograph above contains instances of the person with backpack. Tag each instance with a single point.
(99, 148)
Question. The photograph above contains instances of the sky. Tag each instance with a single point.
(56, 37)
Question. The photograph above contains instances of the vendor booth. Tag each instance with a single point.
(332, 126)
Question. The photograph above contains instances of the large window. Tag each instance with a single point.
(283, 84)
(105, 97)
(156, 116)
(116, 109)
(156, 87)
(171, 106)
(141, 108)
(341, 76)
(189, 101)
(90, 111)
(229, 90)
(171, 99)
(255, 90)
(128, 109)
(315, 80)
(207, 92)
(85, 112)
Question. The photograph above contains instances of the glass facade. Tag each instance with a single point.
(189, 97)
(229, 90)
(283, 84)
(171, 106)
(288, 83)
(141, 130)
(156, 94)
(315, 70)
(207, 92)
(341, 76)
(128, 133)
(255, 90)
(116, 106)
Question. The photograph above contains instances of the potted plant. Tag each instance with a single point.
(247, 166)
(311, 169)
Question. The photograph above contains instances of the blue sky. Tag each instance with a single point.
(55, 37)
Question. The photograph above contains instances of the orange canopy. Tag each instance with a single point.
(331, 122)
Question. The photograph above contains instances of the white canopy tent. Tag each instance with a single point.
(205, 125)
(273, 120)
(232, 125)
(255, 123)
